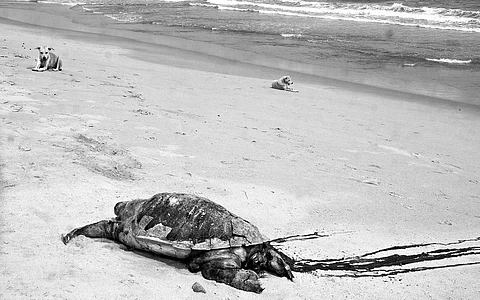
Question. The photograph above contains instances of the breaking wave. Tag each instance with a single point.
(397, 13)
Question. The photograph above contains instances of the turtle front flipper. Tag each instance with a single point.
(226, 267)
(103, 229)
(246, 280)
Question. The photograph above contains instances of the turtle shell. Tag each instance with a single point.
(175, 224)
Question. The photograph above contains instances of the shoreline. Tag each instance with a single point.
(202, 55)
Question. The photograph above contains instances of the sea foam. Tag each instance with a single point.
(449, 61)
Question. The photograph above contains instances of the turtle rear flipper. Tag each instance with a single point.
(103, 229)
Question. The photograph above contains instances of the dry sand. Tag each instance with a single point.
(369, 169)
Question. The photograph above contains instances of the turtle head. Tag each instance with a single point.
(269, 259)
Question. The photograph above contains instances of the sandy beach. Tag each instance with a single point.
(369, 168)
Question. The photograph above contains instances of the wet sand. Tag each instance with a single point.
(368, 168)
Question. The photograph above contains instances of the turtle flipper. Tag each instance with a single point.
(102, 229)
(225, 267)
(222, 259)
(241, 279)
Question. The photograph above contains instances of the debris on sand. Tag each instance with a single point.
(198, 288)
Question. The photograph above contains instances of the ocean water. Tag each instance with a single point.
(431, 47)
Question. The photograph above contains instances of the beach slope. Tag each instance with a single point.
(366, 169)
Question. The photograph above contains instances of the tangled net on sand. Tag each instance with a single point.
(392, 260)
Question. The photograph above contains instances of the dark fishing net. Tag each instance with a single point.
(389, 261)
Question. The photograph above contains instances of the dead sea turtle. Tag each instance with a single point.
(223, 246)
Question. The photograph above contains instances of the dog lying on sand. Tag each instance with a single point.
(284, 83)
(47, 60)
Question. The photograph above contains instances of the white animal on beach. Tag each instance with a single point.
(47, 60)
(284, 83)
